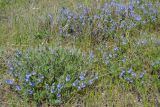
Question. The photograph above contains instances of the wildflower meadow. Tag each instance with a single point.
(79, 53)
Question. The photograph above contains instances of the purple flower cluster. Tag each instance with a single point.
(130, 75)
(81, 83)
(9, 82)
(56, 88)
(27, 77)
(107, 18)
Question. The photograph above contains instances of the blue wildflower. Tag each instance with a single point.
(81, 18)
(32, 84)
(141, 75)
(82, 76)
(59, 87)
(122, 7)
(46, 86)
(130, 70)
(27, 77)
(68, 78)
(59, 96)
(96, 17)
(128, 79)
(131, 7)
(133, 74)
(153, 18)
(86, 11)
(91, 82)
(122, 73)
(83, 85)
(53, 90)
(150, 5)
(79, 87)
(18, 88)
(9, 82)
(75, 83)
(123, 60)
(30, 92)
(138, 18)
(142, 7)
(115, 48)
(33, 73)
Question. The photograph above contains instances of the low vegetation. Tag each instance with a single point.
(87, 53)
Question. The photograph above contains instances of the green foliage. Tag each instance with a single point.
(44, 74)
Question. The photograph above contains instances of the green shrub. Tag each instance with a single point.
(49, 75)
